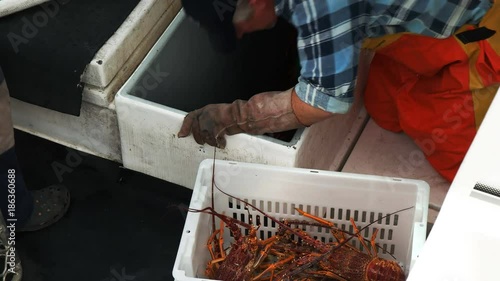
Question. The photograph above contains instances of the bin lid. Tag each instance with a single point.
(8, 7)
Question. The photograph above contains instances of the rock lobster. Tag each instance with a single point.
(284, 257)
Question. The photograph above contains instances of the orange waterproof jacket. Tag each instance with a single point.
(437, 91)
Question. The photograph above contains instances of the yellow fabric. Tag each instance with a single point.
(482, 99)
(482, 95)
(492, 21)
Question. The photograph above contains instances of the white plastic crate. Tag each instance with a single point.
(333, 195)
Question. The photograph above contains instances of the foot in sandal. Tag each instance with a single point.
(50, 204)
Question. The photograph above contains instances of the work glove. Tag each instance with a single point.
(267, 112)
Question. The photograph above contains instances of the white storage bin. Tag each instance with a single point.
(182, 73)
(332, 195)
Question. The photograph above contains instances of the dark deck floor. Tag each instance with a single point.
(120, 226)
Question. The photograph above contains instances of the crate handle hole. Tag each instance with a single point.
(316, 172)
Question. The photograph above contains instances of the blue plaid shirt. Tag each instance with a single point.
(331, 33)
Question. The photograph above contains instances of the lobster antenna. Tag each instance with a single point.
(213, 184)
(277, 221)
(304, 222)
(324, 255)
(255, 207)
(211, 211)
(371, 223)
(291, 229)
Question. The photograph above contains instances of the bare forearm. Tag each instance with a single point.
(307, 114)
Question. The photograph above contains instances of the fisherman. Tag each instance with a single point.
(21, 209)
(428, 68)
(35, 209)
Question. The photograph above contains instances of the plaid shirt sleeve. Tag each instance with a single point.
(330, 34)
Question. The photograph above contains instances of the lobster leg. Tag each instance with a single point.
(318, 219)
(339, 235)
(218, 255)
(264, 253)
(297, 267)
(220, 239)
(210, 242)
(272, 267)
(361, 238)
(374, 246)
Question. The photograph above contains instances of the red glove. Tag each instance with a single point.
(263, 113)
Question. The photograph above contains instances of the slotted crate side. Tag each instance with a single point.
(280, 189)
(388, 237)
(192, 255)
(323, 190)
(395, 233)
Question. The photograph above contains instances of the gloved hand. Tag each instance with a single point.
(263, 113)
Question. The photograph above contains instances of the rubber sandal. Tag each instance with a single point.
(50, 205)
